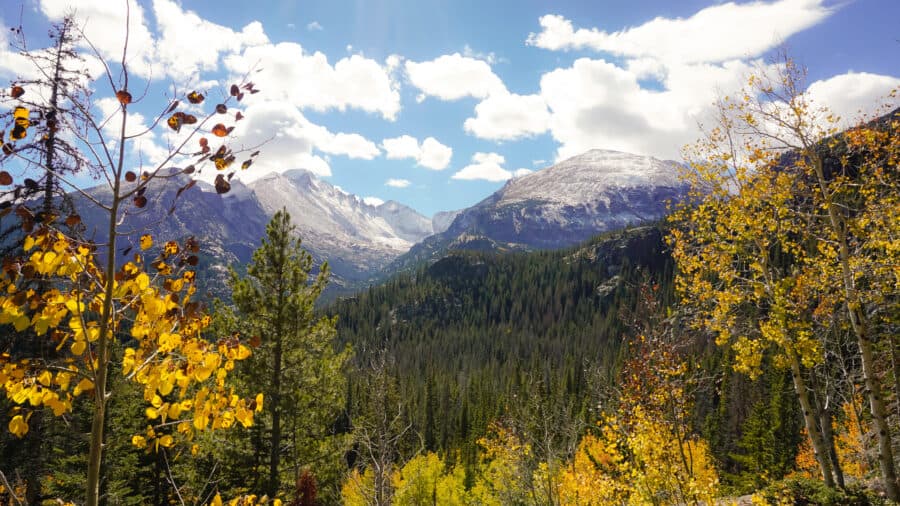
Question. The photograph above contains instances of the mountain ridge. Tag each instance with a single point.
(558, 206)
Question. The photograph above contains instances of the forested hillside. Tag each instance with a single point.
(473, 331)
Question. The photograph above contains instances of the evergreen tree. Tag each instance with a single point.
(295, 364)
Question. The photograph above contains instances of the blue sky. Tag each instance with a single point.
(436, 103)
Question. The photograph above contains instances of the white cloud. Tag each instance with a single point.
(189, 44)
(714, 34)
(430, 154)
(184, 44)
(13, 64)
(596, 104)
(435, 155)
(485, 166)
(104, 25)
(148, 150)
(491, 58)
(314, 26)
(405, 146)
(294, 77)
(373, 201)
(288, 140)
(397, 183)
(853, 96)
(452, 77)
(350, 145)
(507, 116)
(521, 172)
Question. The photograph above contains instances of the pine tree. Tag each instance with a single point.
(295, 365)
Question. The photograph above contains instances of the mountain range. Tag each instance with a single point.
(551, 208)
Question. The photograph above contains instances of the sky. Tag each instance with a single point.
(437, 103)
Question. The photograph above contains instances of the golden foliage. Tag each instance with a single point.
(155, 319)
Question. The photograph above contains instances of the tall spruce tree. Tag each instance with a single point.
(296, 364)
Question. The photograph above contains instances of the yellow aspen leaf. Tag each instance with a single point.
(146, 242)
(128, 360)
(259, 402)
(59, 407)
(29, 243)
(63, 379)
(45, 378)
(78, 347)
(175, 410)
(139, 441)
(21, 322)
(18, 426)
(217, 501)
(75, 306)
(83, 386)
(166, 441)
(200, 420)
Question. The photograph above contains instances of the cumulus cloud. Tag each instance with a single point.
(188, 44)
(373, 201)
(104, 25)
(488, 167)
(397, 148)
(507, 116)
(147, 147)
(288, 140)
(852, 96)
(295, 77)
(714, 34)
(397, 183)
(595, 103)
(490, 57)
(430, 154)
(184, 43)
(314, 26)
(452, 77)
(13, 64)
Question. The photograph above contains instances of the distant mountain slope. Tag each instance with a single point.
(559, 206)
(357, 239)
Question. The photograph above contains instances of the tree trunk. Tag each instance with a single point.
(895, 364)
(828, 436)
(860, 330)
(275, 455)
(809, 419)
(879, 420)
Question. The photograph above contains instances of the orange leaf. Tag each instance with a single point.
(219, 130)
(195, 97)
(124, 97)
(5, 178)
(17, 91)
